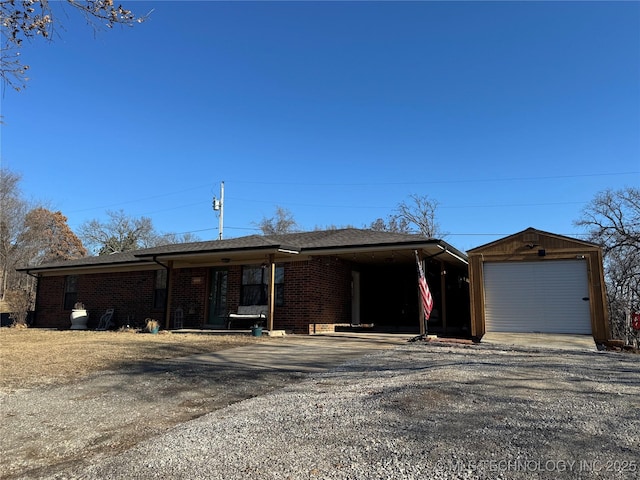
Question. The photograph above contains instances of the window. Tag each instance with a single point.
(70, 291)
(160, 290)
(255, 285)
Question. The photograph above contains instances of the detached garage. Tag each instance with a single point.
(538, 282)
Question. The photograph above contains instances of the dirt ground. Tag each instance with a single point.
(69, 397)
(72, 401)
(34, 357)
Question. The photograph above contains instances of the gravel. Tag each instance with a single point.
(417, 411)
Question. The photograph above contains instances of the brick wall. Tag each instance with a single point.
(50, 303)
(190, 292)
(130, 293)
(316, 292)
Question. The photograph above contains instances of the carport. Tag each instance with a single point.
(385, 291)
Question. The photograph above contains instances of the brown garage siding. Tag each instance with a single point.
(535, 245)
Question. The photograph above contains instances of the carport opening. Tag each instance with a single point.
(389, 299)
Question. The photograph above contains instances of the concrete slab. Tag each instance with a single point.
(542, 340)
(299, 353)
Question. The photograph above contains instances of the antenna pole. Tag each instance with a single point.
(221, 224)
(218, 206)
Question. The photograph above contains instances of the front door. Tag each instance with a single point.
(218, 298)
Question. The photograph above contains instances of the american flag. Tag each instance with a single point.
(425, 294)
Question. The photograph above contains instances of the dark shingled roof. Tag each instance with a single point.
(303, 242)
(347, 237)
(113, 260)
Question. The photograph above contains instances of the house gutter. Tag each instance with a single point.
(28, 272)
(446, 249)
(167, 298)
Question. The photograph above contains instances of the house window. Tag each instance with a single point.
(70, 291)
(160, 290)
(255, 285)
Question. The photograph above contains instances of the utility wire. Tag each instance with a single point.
(356, 184)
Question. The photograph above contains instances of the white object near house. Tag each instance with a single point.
(79, 319)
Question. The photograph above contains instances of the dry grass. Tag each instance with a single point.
(32, 357)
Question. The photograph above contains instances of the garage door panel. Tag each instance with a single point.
(545, 296)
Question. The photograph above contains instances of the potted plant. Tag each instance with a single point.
(79, 317)
(152, 326)
(256, 330)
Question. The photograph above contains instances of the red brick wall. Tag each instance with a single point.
(316, 292)
(130, 293)
(234, 285)
(190, 292)
(50, 304)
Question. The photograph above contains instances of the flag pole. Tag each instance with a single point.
(426, 300)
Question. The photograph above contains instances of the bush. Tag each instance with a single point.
(20, 303)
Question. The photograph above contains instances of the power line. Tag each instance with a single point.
(360, 184)
(434, 182)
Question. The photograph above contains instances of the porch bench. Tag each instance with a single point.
(247, 316)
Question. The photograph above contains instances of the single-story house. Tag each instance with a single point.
(307, 282)
(535, 281)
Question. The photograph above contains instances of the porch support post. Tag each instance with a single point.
(272, 291)
(443, 295)
(167, 309)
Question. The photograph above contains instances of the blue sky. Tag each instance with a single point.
(508, 114)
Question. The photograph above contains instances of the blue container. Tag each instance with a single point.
(256, 331)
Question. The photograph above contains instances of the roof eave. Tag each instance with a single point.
(238, 251)
(417, 245)
(90, 268)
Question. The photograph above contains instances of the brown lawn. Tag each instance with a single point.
(32, 357)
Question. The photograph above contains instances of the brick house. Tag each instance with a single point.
(307, 282)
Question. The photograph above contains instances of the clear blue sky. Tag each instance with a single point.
(509, 114)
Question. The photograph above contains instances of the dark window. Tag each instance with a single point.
(160, 290)
(70, 291)
(255, 285)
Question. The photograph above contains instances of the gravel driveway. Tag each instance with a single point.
(416, 411)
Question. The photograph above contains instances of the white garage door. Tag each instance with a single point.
(548, 296)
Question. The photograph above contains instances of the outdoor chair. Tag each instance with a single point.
(106, 320)
(178, 319)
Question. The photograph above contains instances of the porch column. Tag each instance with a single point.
(167, 310)
(443, 295)
(272, 291)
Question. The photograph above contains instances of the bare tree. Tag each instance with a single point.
(22, 20)
(612, 219)
(172, 238)
(332, 227)
(281, 222)
(394, 223)
(28, 237)
(418, 215)
(13, 209)
(121, 233)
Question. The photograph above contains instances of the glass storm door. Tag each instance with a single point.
(218, 298)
